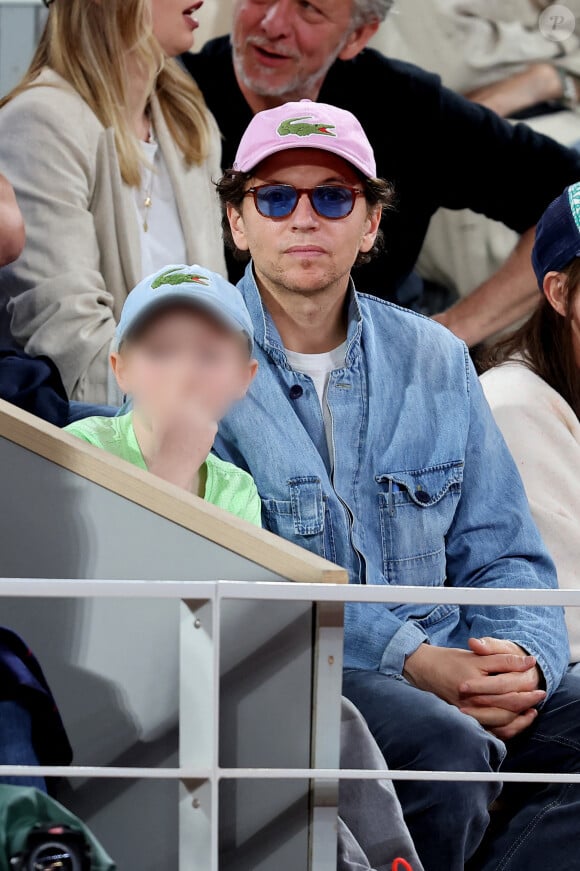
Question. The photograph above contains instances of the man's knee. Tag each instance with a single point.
(459, 807)
(416, 729)
(464, 745)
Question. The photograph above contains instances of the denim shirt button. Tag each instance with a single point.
(421, 496)
(296, 391)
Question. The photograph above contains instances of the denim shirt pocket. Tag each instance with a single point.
(416, 510)
(302, 518)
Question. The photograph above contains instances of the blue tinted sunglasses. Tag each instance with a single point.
(277, 201)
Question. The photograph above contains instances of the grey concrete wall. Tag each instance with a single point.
(114, 667)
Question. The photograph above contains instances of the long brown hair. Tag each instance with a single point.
(545, 344)
(84, 41)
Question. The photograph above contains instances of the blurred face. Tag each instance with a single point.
(185, 352)
(174, 24)
(284, 48)
(304, 253)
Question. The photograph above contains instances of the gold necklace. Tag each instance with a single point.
(148, 202)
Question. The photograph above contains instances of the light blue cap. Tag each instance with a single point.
(187, 285)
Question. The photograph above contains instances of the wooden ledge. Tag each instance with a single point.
(166, 500)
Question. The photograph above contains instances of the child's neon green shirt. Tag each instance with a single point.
(226, 486)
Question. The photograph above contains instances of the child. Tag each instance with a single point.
(183, 352)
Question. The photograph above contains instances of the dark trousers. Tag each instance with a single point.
(535, 827)
(16, 747)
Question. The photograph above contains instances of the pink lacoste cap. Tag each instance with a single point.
(306, 124)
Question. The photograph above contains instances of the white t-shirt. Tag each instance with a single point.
(163, 241)
(319, 368)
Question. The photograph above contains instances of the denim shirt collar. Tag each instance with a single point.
(267, 336)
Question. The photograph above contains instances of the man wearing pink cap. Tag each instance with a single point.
(371, 443)
(437, 148)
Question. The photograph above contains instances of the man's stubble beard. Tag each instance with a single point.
(280, 279)
(295, 89)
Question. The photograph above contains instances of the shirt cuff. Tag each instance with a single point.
(403, 643)
(550, 679)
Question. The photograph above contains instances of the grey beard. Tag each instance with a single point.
(296, 88)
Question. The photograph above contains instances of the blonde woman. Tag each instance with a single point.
(112, 153)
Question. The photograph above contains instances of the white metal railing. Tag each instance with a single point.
(288, 592)
(197, 595)
(216, 592)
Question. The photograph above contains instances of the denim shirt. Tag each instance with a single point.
(422, 490)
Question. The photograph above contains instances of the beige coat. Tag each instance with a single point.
(543, 434)
(82, 255)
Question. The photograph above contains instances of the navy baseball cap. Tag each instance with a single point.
(192, 285)
(558, 234)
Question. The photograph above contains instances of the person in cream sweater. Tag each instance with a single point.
(532, 383)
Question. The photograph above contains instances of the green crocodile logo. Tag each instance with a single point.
(174, 276)
(302, 127)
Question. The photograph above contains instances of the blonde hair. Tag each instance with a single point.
(84, 41)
